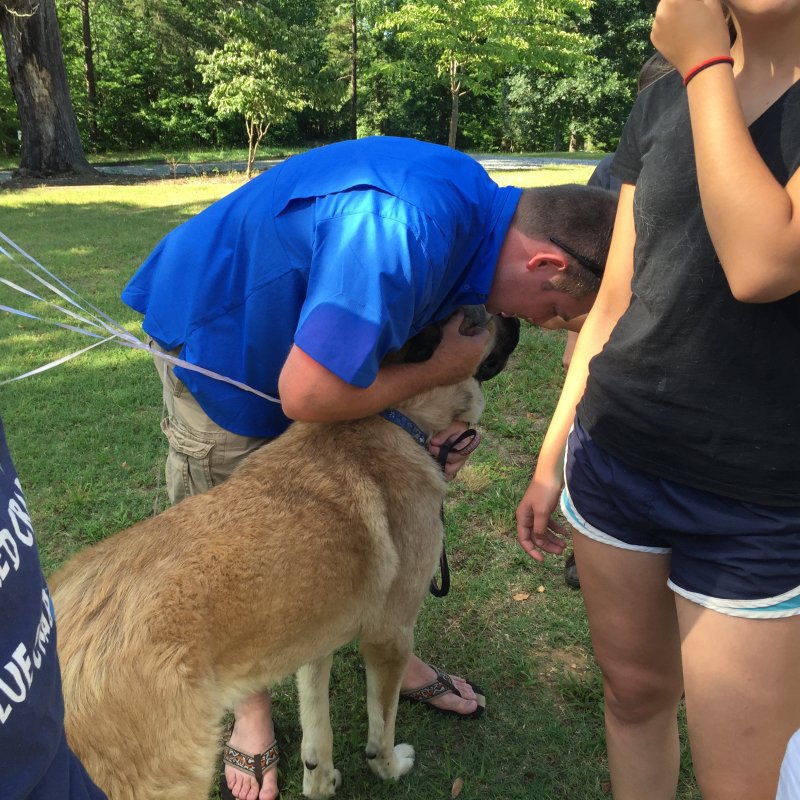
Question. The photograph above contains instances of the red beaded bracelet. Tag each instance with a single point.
(705, 65)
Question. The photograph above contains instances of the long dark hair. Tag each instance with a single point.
(731, 26)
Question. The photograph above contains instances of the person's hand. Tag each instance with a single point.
(458, 354)
(537, 530)
(689, 32)
(457, 457)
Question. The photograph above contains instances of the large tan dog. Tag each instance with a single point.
(330, 533)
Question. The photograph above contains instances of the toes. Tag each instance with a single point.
(269, 788)
(464, 687)
(452, 702)
(242, 786)
(250, 790)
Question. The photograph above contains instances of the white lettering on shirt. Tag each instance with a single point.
(17, 676)
(20, 519)
(9, 552)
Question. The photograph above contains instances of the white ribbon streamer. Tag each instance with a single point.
(105, 325)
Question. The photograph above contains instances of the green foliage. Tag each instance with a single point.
(270, 65)
(9, 118)
(471, 44)
(149, 91)
(527, 74)
(546, 108)
(471, 41)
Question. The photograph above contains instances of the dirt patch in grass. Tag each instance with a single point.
(574, 662)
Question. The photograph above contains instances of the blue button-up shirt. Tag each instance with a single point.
(346, 250)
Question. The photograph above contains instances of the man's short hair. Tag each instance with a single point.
(580, 219)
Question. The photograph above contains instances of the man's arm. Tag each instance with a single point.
(312, 393)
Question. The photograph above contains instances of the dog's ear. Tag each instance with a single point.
(420, 347)
(475, 317)
(506, 338)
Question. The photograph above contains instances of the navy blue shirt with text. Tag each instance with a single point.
(35, 761)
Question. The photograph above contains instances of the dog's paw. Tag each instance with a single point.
(404, 755)
(399, 762)
(321, 782)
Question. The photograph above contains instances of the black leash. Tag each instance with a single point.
(473, 439)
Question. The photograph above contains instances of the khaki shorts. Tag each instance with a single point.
(201, 453)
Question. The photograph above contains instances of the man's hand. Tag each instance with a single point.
(458, 354)
(456, 458)
(689, 32)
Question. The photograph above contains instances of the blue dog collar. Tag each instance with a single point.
(393, 415)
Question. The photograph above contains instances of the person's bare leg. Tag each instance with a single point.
(418, 673)
(569, 349)
(252, 733)
(742, 699)
(635, 637)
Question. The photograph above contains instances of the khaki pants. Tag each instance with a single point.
(201, 453)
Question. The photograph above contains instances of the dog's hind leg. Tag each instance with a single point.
(320, 779)
(386, 663)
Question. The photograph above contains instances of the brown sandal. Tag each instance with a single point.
(253, 765)
(444, 685)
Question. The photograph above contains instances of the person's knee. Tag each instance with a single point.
(635, 696)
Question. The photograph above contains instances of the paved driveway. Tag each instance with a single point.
(489, 161)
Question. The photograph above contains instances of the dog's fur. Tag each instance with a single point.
(328, 534)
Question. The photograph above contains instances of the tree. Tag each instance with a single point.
(474, 42)
(548, 109)
(271, 65)
(50, 140)
(88, 66)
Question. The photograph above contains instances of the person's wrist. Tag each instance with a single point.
(704, 64)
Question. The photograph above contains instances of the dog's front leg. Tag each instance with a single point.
(320, 779)
(386, 663)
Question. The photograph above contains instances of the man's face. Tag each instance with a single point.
(552, 302)
(545, 299)
(532, 282)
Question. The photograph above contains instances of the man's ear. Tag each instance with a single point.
(547, 260)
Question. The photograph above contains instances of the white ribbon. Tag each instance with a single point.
(106, 325)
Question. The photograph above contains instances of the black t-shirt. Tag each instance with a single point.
(693, 385)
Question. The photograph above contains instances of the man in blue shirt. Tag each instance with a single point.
(298, 285)
(35, 760)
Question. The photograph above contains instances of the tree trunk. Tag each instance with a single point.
(353, 72)
(50, 140)
(88, 66)
(455, 90)
(255, 133)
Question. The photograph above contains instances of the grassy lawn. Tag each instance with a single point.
(86, 440)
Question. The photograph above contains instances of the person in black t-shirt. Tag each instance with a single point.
(603, 178)
(682, 471)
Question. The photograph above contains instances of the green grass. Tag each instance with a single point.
(85, 437)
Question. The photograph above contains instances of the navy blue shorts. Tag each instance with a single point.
(737, 558)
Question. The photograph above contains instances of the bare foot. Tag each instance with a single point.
(252, 734)
(418, 674)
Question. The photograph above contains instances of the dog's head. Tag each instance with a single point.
(505, 337)
(436, 408)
